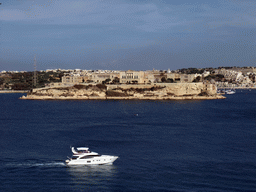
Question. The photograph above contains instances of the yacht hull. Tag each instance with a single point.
(104, 159)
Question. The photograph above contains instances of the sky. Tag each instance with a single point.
(126, 34)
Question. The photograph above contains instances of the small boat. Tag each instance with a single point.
(229, 92)
(82, 156)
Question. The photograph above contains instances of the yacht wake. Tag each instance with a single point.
(36, 164)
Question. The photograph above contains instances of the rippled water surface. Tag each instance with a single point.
(162, 145)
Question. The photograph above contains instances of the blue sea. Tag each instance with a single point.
(207, 145)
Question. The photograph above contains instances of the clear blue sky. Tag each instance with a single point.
(127, 34)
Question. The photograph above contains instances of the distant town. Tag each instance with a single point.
(222, 77)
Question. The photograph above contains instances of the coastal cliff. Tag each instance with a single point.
(161, 91)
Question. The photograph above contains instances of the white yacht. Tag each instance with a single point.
(82, 156)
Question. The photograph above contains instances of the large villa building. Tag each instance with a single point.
(127, 77)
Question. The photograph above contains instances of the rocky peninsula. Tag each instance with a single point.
(159, 91)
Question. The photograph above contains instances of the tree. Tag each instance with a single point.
(169, 80)
(163, 79)
(197, 79)
(116, 80)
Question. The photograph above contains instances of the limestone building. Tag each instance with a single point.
(100, 77)
(73, 78)
(132, 76)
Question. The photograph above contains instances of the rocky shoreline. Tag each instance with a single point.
(124, 98)
(188, 91)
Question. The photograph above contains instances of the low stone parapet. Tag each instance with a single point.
(124, 98)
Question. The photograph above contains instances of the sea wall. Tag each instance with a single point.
(14, 91)
(172, 91)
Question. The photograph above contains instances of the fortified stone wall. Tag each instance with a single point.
(155, 91)
(178, 89)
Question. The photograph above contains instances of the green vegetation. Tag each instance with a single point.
(217, 77)
(25, 80)
(191, 71)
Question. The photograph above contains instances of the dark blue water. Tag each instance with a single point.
(169, 146)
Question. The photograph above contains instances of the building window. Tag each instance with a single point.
(129, 76)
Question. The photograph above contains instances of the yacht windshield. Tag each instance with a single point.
(89, 156)
(74, 157)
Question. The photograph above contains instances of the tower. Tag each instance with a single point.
(35, 74)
